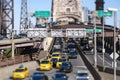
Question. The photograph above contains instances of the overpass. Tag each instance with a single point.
(22, 42)
(55, 31)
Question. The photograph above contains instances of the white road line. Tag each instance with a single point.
(105, 61)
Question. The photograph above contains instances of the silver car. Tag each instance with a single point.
(82, 75)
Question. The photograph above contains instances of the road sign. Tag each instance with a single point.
(116, 55)
(102, 13)
(91, 30)
(42, 14)
(108, 13)
(37, 33)
(74, 32)
(56, 33)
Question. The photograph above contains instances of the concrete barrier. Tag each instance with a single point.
(90, 67)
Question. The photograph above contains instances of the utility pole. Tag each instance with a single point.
(95, 52)
(13, 46)
(103, 50)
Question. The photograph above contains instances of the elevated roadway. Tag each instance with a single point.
(23, 42)
(8, 41)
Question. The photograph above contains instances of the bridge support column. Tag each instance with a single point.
(47, 43)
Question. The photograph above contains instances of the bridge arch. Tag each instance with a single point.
(69, 18)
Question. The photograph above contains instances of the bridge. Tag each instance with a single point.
(41, 43)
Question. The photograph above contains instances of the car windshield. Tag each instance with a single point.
(65, 64)
(44, 62)
(54, 55)
(61, 60)
(82, 74)
(19, 70)
(56, 50)
(54, 59)
(83, 79)
(38, 73)
(59, 75)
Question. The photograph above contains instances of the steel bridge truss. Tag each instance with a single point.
(7, 17)
(23, 17)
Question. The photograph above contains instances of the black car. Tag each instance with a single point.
(72, 55)
(60, 76)
(23, 35)
(3, 37)
(66, 67)
(99, 48)
(54, 60)
(39, 76)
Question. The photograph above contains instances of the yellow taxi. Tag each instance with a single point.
(45, 65)
(59, 62)
(56, 55)
(20, 73)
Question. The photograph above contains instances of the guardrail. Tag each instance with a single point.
(90, 67)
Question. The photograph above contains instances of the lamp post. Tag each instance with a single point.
(94, 35)
(115, 25)
(103, 50)
(95, 52)
(13, 46)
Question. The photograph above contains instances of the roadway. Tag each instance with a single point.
(78, 64)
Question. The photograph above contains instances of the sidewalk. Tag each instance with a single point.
(107, 76)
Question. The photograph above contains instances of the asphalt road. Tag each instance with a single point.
(78, 64)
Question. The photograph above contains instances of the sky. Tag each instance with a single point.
(36, 5)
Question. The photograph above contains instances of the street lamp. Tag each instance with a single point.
(115, 25)
(13, 45)
(95, 51)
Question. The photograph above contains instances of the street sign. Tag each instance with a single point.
(37, 32)
(74, 32)
(116, 55)
(42, 14)
(108, 13)
(92, 30)
(102, 13)
(56, 33)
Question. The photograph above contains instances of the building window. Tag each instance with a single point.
(68, 10)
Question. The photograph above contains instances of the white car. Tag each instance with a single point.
(82, 75)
